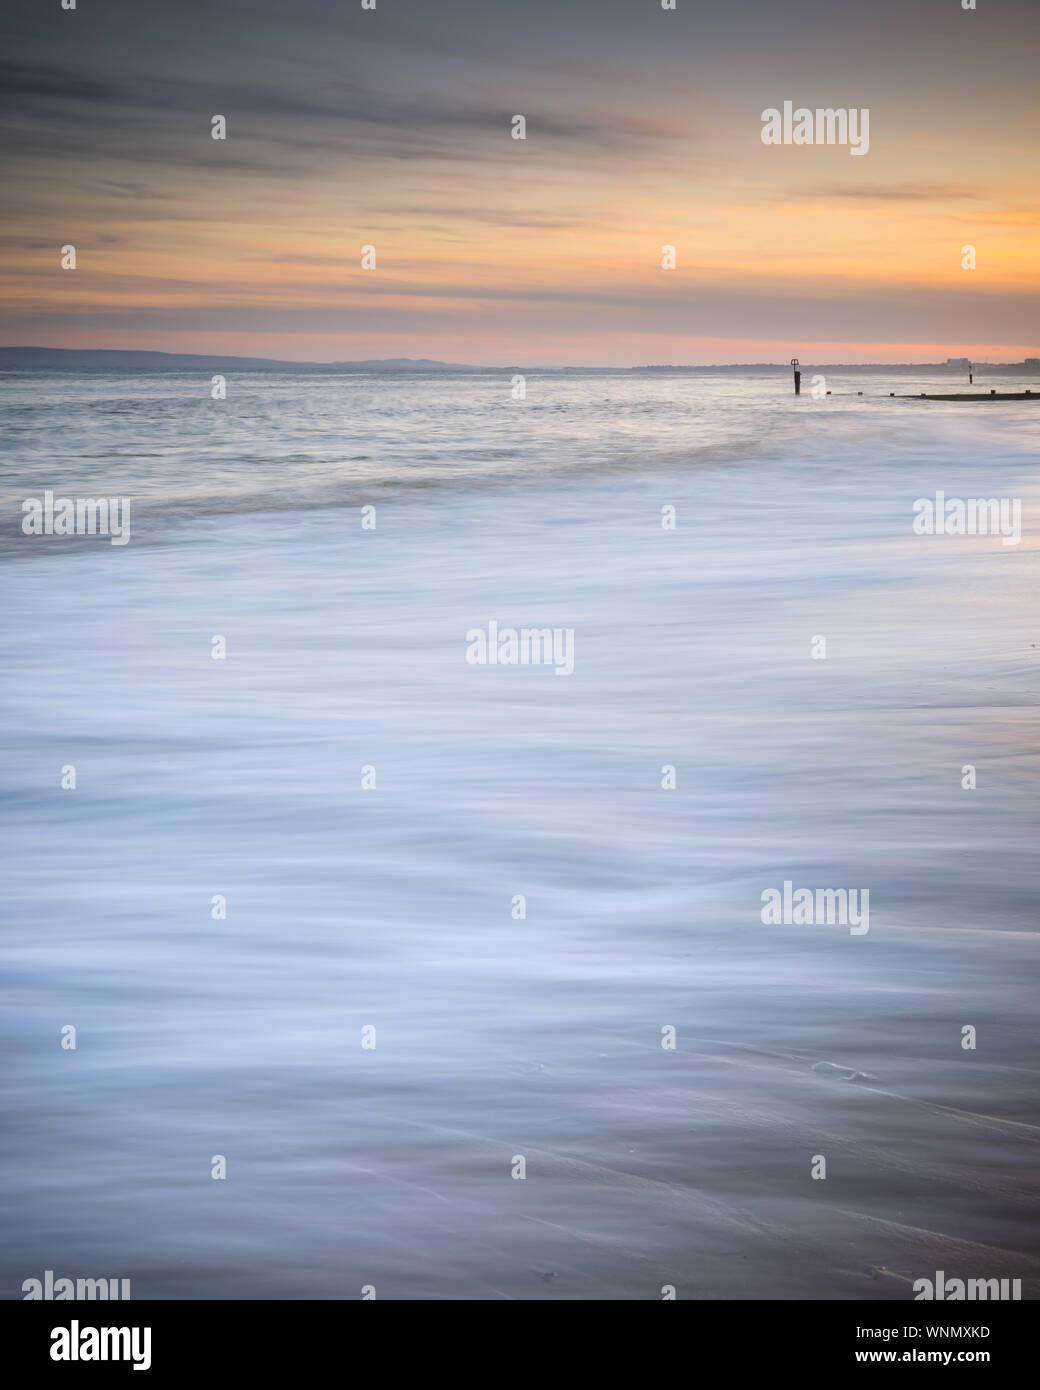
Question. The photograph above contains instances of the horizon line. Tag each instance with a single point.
(419, 362)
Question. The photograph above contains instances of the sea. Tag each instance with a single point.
(348, 954)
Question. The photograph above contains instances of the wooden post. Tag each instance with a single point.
(797, 377)
(971, 373)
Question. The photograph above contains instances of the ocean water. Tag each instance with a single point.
(393, 907)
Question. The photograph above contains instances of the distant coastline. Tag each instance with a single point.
(21, 359)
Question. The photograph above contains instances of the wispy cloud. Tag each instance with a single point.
(879, 193)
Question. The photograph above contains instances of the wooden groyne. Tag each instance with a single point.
(972, 396)
(992, 395)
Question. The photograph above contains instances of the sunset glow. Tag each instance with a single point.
(392, 128)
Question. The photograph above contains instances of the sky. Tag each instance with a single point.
(392, 127)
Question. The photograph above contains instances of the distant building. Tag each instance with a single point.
(1031, 362)
(958, 361)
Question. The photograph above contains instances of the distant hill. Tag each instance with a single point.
(405, 364)
(20, 359)
(31, 359)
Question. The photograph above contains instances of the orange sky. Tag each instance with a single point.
(544, 251)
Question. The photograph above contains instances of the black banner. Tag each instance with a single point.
(178, 1339)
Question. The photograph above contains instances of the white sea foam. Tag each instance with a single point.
(393, 907)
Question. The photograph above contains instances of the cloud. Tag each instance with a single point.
(496, 217)
(19, 81)
(897, 193)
